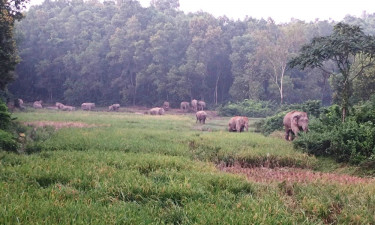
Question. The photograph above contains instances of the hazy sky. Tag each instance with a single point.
(279, 10)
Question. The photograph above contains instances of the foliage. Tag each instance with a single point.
(120, 52)
(349, 48)
(10, 10)
(137, 169)
(352, 141)
(275, 122)
(7, 141)
(249, 108)
(5, 117)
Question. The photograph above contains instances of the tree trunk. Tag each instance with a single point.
(216, 88)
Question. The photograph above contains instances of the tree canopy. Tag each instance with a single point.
(350, 50)
(120, 52)
(10, 10)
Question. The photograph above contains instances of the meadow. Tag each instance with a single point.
(128, 168)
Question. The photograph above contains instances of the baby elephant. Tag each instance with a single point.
(238, 124)
(201, 117)
(157, 111)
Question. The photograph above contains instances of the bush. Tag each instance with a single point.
(249, 108)
(351, 141)
(271, 123)
(8, 142)
(5, 118)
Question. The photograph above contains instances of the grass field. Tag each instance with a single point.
(127, 168)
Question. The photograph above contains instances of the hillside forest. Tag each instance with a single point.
(120, 52)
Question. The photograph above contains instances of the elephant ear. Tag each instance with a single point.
(296, 118)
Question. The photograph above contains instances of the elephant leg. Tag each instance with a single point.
(287, 134)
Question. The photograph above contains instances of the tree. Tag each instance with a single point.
(351, 51)
(10, 10)
(275, 46)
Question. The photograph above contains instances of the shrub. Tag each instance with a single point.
(271, 123)
(8, 142)
(5, 118)
(249, 108)
(350, 141)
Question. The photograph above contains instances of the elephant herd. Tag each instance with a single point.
(294, 121)
(195, 105)
(87, 106)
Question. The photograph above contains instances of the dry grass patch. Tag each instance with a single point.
(58, 125)
(291, 175)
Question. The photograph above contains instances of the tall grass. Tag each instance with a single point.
(140, 169)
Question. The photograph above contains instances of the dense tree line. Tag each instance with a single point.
(119, 52)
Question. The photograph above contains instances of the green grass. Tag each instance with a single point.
(141, 169)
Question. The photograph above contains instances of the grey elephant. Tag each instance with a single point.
(184, 106)
(194, 105)
(157, 111)
(38, 104)
(88, 106)
(201, 117)
(238, 124)
(166, 106)
(114, 107)
(201, 105)
(294, 122)
(65, 107)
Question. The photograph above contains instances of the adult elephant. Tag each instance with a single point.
(157, 111)
(294, 122)
(184, 106)
(166, 106)
(88, 106)
(201, 105)
(238, 124)
(201, 117)
(194, 105)
(38, 104)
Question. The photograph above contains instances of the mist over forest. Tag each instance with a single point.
(120, 52)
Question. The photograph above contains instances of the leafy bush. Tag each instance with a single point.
(352, 141)
(7, 141)
(249, 108)
(270, 124)
(5, 118)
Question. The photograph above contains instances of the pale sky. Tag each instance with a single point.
(279, 10)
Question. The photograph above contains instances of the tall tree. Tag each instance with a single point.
(10, 11)
(276, 45)
(349, 48)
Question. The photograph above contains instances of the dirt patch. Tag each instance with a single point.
(59, 125)
(291, 175)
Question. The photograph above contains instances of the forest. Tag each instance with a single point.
(120, 52)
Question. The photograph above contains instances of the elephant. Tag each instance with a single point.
(194, 104)
(18, 103)
(59, 105)
(201, 117)
(238, 123)
(157, 111)
(166, 106)
(114, 107)
(201, 105)
(184, 106)
(294, 122)
(38, 104)
(88, 106)
(65, 107)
